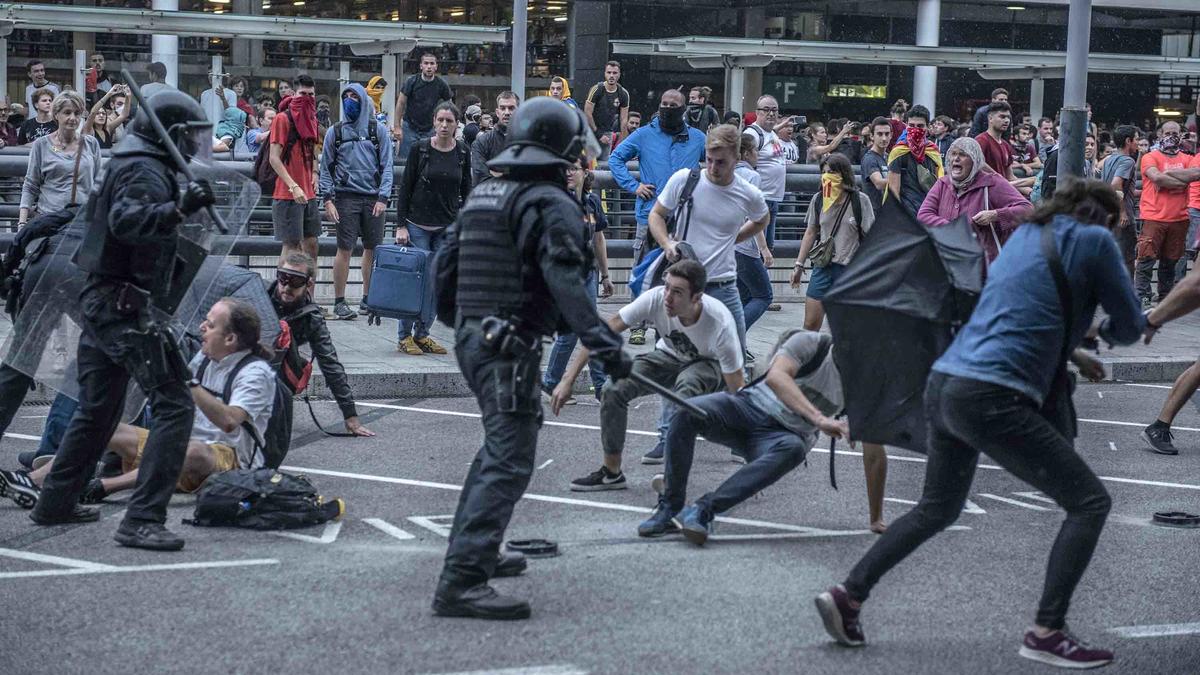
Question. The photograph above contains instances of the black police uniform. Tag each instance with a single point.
(520, 257)
(129, 252)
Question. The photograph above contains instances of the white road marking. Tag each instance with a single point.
(563, 669)
(1100, 394)
(140, 568)
(52, 559)
(388, 528)
(969, 507)
(1150, 386)
(901, 458)
(546, 498)
(429, 523)
(23, 437)
(545, 464)
(806, 535)
(1036, 496)
(1014, 502)
(1161, 630)
(1112, 446)
(328, 536)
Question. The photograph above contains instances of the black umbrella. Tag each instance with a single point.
(218, 279)
(892, 313)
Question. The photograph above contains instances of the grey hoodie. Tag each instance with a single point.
(357, 162)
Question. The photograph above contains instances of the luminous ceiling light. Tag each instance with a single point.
(560, 18)
(457, 13)
(219, 2)
(298, 3)
(1170, 113)
(1015, 8)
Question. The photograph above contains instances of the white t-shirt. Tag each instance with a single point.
(713, 336)
(253, 391)
(750, 246)
(213, 109)
(772, 161)
(29, 89)
(719, 211)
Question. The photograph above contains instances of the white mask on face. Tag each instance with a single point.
(119, 109)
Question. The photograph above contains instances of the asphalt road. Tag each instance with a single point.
(353, 597)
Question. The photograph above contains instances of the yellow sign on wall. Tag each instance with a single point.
(858, 91)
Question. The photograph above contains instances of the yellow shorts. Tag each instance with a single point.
(224, 459)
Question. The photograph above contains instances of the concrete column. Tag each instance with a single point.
(587, 45)
(391, 71)
(165, 48)
(735, 88)
(216, 109)
(344, 74)
(520, 26)
(1074, 111)
(78, 79)
(929, 16)
(247, 52)
(1037, 92)
(4, 71)
(754, 25)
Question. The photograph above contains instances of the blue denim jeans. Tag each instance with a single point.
(61, 411)
(773, 207)
(754, 287)
(411, 136)
(564, 346)
(771, 450)
(1189, 244)
(428, 241)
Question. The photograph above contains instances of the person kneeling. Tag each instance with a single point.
(773, 423)
(698, 347)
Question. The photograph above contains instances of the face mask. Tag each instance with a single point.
(1169, 143)
(670, 119)
(120, 109)
(350, 109)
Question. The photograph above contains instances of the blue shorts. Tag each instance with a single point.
(822, 280)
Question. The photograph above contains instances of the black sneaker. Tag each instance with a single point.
(478, 602)
(93, 492)
(343, 312)
(78, 514)
(655, 456)
(661, 522)
(600, 479)
(1158, 437)
(510, 564)
(152, 536)
(19, 487)
(363, 309)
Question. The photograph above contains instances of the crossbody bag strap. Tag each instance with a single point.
(75, 174)
(1050, 251)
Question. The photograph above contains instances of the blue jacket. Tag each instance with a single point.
(358, 163)
(1015, 336)
(659, 156)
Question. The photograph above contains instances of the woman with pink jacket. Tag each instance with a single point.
(970, 187)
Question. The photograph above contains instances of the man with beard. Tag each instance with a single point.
(291, 294)
(489, 143)
(700, 114)
(129, 251)
(1165, 179)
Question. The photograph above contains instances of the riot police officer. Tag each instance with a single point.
(514, 267)
(129, 251)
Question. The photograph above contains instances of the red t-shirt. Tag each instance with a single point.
(1194, 188)
(1165, 206)
(300, 169)
(997, 154)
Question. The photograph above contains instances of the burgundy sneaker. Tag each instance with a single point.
(841, 620)
(1064, 650)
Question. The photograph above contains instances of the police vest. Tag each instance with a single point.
(490, 266)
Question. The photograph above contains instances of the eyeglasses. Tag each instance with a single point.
(291, 279)
(769, 110)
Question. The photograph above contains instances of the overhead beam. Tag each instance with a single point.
(138, 21)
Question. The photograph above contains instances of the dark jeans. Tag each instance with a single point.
(14, 386)
(103, 378)
(771, 450)
(967, 417)
(507, 391)
(57, 420)
(754, 287)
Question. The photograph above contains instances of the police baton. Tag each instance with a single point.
(671, 396)
(167, 143)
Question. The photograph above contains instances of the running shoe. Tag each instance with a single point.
(19, 487)
(599, 480)
(661, 522)
(658, 484)
(655, 456)
(343, 312)
(1158, 437)
(637, 336)
(1064, 650)
(409, 346)
(696, 524)
(840, 619)
(429, 345)
(93, 492)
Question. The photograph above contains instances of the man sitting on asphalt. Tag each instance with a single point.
(772, 423)
(697, 348)
(219, 439)
(291, 294)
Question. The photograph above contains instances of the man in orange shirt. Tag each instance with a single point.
(1165, 179)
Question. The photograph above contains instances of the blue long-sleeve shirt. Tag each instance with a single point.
(1015, 336)
(659, 156)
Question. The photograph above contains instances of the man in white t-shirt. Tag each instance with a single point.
(772, 158)
(696, 350)
(725, 210)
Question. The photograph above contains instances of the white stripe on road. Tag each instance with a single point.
(388, 528)
(140, 568)
(23, 437)
(1036, 497)
(1150, 386)
(328, 535)
(1133, 424)
(430, 523)
(901, 458)
(52, 559)
(564, 669)
(1162, 630)
(807, 535)
(1006, 500)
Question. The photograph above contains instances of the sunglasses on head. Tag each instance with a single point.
(291, 279)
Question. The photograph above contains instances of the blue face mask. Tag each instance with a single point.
(351, 109)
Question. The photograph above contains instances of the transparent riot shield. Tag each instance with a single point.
(45, 336)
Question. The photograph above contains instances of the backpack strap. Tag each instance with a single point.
(685, 201)
(227, 391)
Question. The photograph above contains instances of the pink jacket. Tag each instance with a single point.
(942, 205)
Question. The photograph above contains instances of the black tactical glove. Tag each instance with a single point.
(617, 364)
(196, 196)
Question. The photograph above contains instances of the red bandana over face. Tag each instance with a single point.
(916, 142)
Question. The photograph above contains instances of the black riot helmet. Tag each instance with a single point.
(546, 132)
(181, 116)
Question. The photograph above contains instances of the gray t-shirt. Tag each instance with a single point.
(823, 386)
(1123, 166)
(49, 175)
(871, 162)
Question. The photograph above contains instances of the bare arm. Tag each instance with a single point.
(893, 183)
(588, 107)
(753, 227)
(401, 106)
(734, 381)
(658, 227)
(1185, 175)
(624, 121)
(1163, 180)
(878, 180)
(563, 391)
(276, 158)
(227, 417)
(781, 378)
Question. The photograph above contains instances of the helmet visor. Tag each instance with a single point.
(195, 140)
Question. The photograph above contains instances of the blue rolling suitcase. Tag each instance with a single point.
(401, 284)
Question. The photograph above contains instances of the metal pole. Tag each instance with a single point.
(519, 28)
(165, 48)
(1037, 95)
(929, 16)
(344, 74)
(737, 88)
(391, 70)
(670, 395)
(1074, 111)
(81, 64)
(216, 109)
(4, 71)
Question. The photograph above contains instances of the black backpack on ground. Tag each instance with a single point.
(261, 499)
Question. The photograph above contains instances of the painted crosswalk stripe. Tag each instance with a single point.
(1006, 500)
(139, 568)
(1161, 630)
(388, 528)
(53, 560)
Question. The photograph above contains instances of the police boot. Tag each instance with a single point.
(511, 564)
(77, 514)
(152, 536)
(477, 602)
